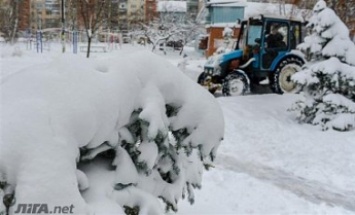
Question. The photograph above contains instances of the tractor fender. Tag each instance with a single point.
(279, 59)
(241, 72)
(247, 64)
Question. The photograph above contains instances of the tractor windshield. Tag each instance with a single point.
(254, 34)
(250, 33)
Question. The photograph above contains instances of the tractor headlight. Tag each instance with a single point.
(208, 71)
(217, 70)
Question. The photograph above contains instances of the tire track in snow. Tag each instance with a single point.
(313, 191)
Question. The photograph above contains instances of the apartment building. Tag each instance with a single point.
(150, 10)
(24, 15)
(135, 11)
(45, 14)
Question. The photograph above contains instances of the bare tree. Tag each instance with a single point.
(92, 13)
(9, 19)
(282, 9)
(172, 23)
(71, 14)
(189, 31)
(136, 18)
(159, 33)
(170, 27)
(344, 8)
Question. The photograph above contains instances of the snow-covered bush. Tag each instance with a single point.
(328, 80)
(164, 128)
(7, 51)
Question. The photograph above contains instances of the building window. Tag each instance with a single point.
(39, 6)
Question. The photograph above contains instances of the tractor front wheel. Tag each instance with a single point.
(201, 78)
(282, 82)
(235, 84)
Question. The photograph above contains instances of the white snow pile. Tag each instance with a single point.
(328, 80)
(163, 127)
(227, 32)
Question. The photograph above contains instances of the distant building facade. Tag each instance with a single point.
(150, 10)
(221, 15)
(24, 15)
(45, 14)
(135, 12)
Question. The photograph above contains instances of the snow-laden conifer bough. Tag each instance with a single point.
(164, 128)
(328, 80)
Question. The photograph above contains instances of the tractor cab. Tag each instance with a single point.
(263, 51)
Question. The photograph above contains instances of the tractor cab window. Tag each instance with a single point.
(250, 34)
(295, 35)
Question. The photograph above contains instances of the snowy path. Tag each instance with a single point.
(312, 191)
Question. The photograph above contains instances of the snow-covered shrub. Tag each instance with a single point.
(328, 80)
(10, 51)
(164, 128)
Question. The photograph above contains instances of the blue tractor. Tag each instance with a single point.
(264, 52)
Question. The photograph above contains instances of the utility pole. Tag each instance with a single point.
(63, 27)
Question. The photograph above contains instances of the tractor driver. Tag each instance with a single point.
(274, 41)
(275, 38)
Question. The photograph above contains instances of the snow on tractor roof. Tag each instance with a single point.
(276, 16)
(227, 3)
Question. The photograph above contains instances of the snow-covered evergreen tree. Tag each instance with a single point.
(328, 80)
(163, 127)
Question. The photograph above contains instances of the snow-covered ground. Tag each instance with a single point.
(267, 163)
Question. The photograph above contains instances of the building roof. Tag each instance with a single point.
(226, 3)
(172, 6)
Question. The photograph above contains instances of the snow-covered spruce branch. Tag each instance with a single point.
(164, 128)
(328, 80)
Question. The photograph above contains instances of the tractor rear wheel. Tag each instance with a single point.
(282, 82)
(235, 84)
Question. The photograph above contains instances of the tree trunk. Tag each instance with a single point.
(15, 24)
(182, 49)
(89, 46)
